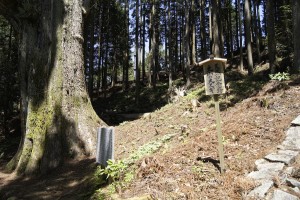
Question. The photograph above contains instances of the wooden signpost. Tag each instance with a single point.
(215, 85)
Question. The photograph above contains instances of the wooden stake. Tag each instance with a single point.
(220, 139)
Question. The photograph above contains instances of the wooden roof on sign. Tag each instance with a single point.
(223, 60)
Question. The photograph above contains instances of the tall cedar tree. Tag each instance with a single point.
(57, 117)
(271, 34)
(296, 18)
(248, 36)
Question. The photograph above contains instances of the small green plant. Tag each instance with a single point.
(128, 177)
(224, 140)
(280, 76)
(197, 93)
(121, 173)
(148, 149)
(114, 170)
(198, 169)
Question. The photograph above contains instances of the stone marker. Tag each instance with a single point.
(296, 121)
(296, 190)
(290, 145)
(293, 132)
(292, 140)
(289, 170)
(264, 164)
(105, 145)
(261, 190)
(293, 182)
(273, 166)
(284, 156)
(264, 174)
(280, 195)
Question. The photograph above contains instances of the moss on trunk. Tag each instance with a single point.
(59, 120)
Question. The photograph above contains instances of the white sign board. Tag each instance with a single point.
(214, 77)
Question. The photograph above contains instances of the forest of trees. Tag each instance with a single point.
(54, 53)
(149, 36)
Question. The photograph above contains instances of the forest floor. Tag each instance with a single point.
(171, 152)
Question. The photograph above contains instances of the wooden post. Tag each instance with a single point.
(215, 85)
(219, 132)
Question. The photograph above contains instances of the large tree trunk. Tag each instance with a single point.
(241, 67)
(153, 39)
(171, 44)
(127, 51)
(137, 49)
(271, 35)
(187, 43)
(248, 36)
(100, 52)
(237, 14)
(143, 13)
(177, 32)
(58, 119)
(193, 35)
(296, 16)
(166, 35)
(203, 30)
(216, 31)
(230, 28)
(90, 50)
(256, 28)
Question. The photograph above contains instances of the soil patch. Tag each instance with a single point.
(186, 167)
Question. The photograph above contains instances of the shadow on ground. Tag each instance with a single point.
(116, 105)
(72, 181)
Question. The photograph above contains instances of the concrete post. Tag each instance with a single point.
(105, 145)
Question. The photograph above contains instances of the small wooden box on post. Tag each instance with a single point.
(215, 85)
(214, 75)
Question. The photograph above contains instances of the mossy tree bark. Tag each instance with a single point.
(57, 117)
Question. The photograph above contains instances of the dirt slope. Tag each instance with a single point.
(186, 166)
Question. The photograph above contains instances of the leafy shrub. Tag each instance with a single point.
(114, 170)
(280, 76)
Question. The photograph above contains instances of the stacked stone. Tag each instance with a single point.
(276, 167)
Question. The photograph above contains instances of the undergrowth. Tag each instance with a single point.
(121, 173)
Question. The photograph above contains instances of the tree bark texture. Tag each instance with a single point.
(237, 24)
(241, 67)
(137, 48)
(171, 45)
(193, 35)
(127, 51)
(153, 39)
(256, 27)
(216, 46)
(57, 117)
(248, 36)
(271, 34)
(187, 43)
(296, 20)
(203, 29)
